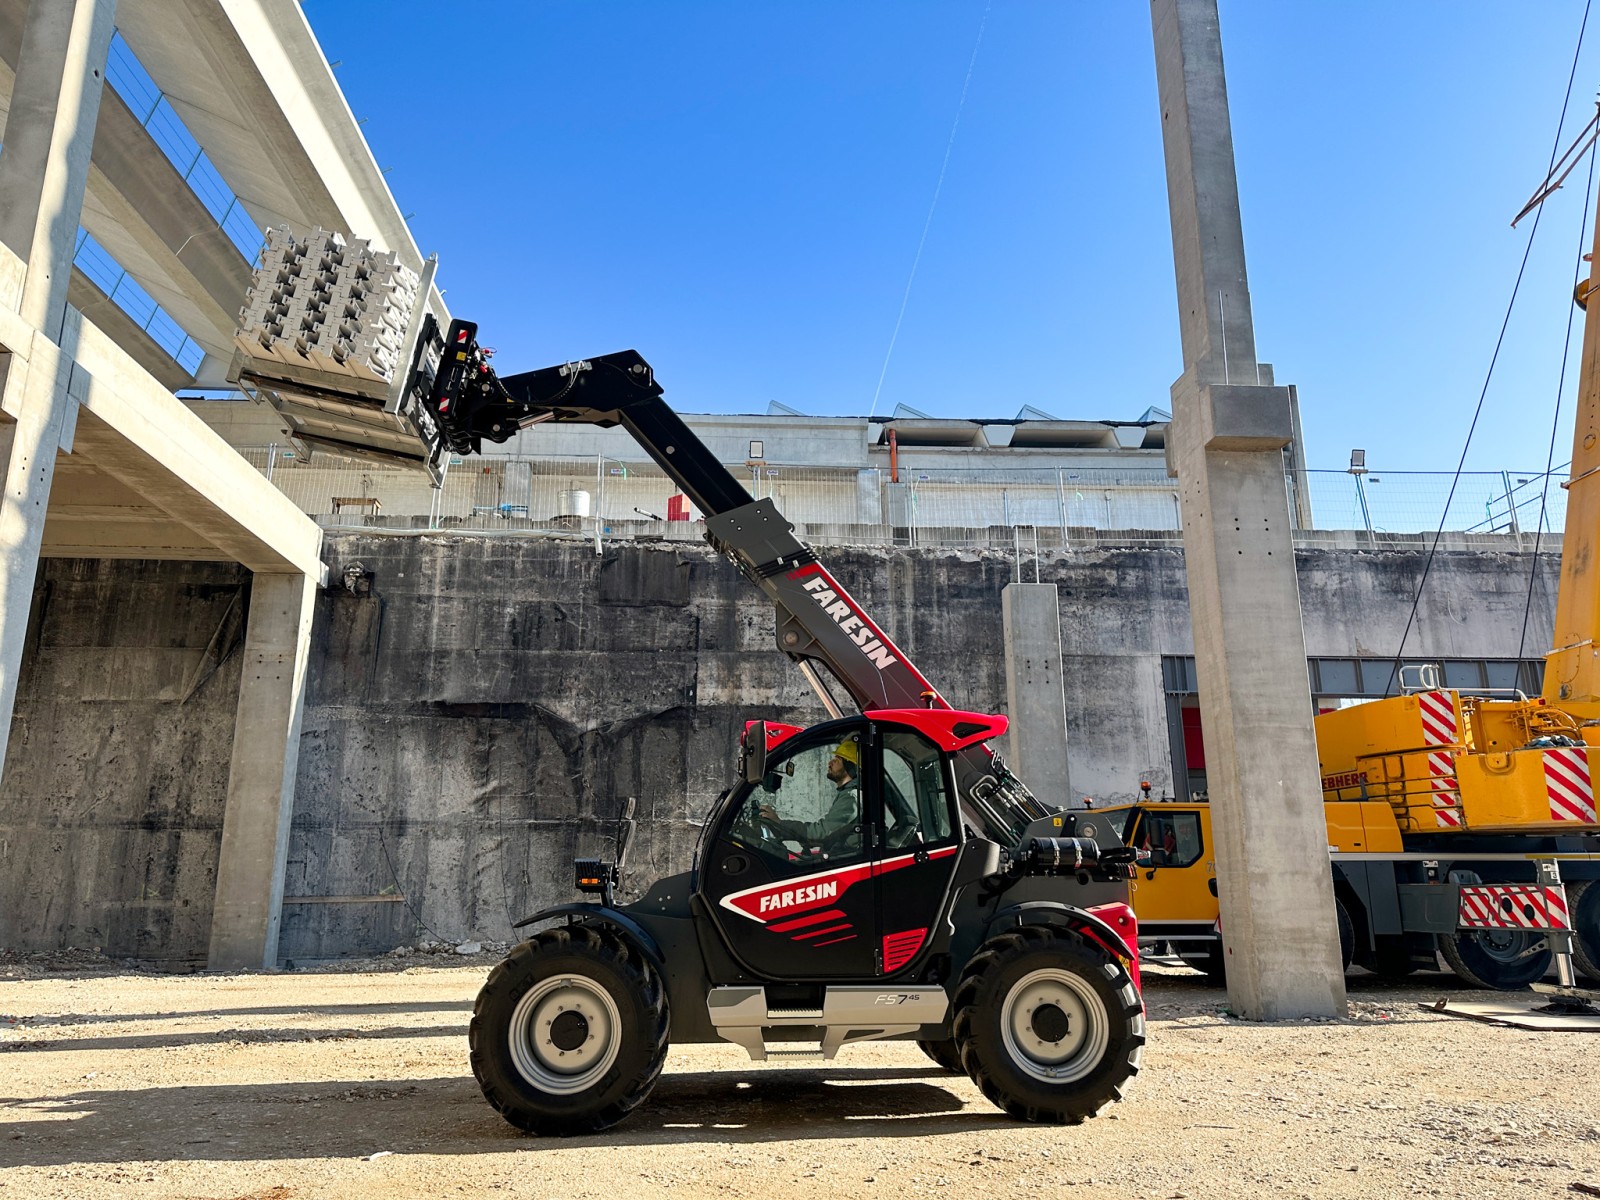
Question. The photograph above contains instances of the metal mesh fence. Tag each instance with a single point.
(1413, 501)
(599, 498)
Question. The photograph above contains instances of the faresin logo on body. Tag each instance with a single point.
(776, 901)
(849, 622)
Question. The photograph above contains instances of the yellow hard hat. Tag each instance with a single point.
(849, 750)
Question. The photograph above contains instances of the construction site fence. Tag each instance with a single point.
(602, 499)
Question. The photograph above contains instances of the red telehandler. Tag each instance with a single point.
(879, 875)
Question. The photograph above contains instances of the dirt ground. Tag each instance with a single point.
(354, 1085)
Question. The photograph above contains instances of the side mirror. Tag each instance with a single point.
(753, 752)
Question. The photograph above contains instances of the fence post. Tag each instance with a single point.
(272, 459)
(599, 498)
(1511, 508)
(1061, 506)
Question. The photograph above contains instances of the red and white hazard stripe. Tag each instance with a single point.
(1567, 783)
(1446, 791)
(1513, 906)
(1439, 724)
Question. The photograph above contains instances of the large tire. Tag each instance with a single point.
(945, 1054)
(1583, 902)
(1207, 958)
(1347, 934)
(1495, 959)
(1050, 1026)
(1392, 957)
(570, 1031)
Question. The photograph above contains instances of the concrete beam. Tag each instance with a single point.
(1035, 695)
(253, 86)
(139, 432)
(55, 101)
(1228, 431)
(266, 752)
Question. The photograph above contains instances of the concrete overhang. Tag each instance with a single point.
(140, 476)
(250, 81)
(141, 210)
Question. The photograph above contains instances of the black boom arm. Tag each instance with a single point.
(818, 623)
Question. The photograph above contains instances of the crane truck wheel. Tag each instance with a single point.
(570, 1031)
(945, 1054)
(1208, 959)
(1583, 901)
(1496, 959)
(1049, 1026)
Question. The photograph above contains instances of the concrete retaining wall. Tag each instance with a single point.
(477, 719)
(111, 810)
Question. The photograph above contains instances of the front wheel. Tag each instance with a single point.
(570, 1031)
(1049, 1025)
(1501, 960)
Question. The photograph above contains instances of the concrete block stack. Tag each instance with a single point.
(323, 303)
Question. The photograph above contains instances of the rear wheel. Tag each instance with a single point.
(1049, 1026)
(1347, 933)
(1392, 957)
(1207, 958)
(570, 1031)
(1502, 960)
(945, 1054)
(1583, 901)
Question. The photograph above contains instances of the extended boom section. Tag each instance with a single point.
(847, 656)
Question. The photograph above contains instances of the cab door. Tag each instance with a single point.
(1174, 878)
(790, 873)
(916, 811)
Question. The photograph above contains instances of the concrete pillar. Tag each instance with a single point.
(266, 751)
(1035, 697)
(55, 101)
(1229, 429)
(48, 136)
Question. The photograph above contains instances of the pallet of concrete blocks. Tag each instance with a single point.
(328, 304)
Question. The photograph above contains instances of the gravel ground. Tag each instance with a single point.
(354, 1084)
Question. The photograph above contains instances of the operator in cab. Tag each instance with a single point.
(839, 827)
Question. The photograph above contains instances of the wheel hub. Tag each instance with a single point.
(1054, 1025)
(565, 1033)
(1050, 1024)
(569, 1031)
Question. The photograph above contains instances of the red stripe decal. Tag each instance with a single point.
(811, 933)
(833, 914)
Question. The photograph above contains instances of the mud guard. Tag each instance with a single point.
(1112, 927)
(626, 925)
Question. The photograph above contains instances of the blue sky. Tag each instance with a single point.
(738, 189)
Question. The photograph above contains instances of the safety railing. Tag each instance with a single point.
(599, 499)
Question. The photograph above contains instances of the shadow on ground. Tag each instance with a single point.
(450, 1116)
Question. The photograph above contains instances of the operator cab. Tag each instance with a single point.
(834, 859)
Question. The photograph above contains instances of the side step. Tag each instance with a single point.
(848, 1014)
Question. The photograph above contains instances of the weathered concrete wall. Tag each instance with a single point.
(111, 808)
(480, 717)
(476, 721)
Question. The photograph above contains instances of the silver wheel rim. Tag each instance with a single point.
(1088, 1027)
(1505, 946)
(542, 1053)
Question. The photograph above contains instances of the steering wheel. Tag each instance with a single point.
(759, 829)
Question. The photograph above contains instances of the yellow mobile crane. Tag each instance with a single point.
(1454, 819)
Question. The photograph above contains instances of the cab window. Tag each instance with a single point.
(1172, 839)
(808, 807)
(916, 803)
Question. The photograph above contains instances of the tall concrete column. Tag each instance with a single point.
(1229, 429)
(266, 752)
(49, 132)
(48, 136)
(1035, 696)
